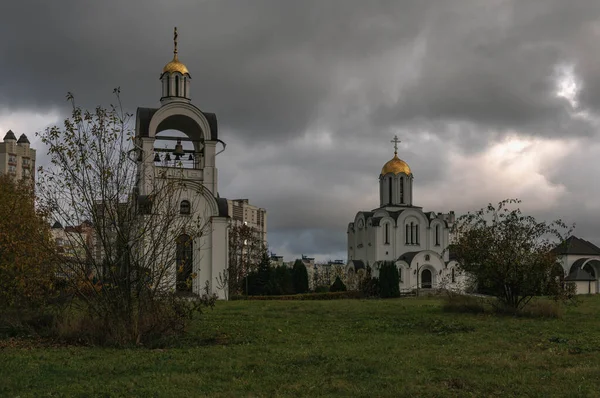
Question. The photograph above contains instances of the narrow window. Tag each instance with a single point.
(401, 189)
(390, 189)
(453, 277)
(185, 207)
(437, 235)
(387, 233)
(185, 87)
(412, 234)
(417, 234)
(406, 234)
(177, 85)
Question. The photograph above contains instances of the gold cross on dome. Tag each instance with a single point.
(395, 141)
(175, 41)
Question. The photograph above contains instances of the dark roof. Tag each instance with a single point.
(10, 136)
(367, 214)
(358, 264)
(375, 221)
(23, 139)
(579, 275)
(144, 115)
(575, 245)
(408, 256)
(57, 225)
(223, 207)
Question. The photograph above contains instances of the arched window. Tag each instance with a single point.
(185, 87)
(390, 188)
(427, 258)
(177, 85)
(387, 233)
(437, 235)
(412, 233)
(185, 207)
(407, 234)
(453, 276)
(184, 262)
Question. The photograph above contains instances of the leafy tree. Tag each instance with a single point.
(389, 280)
(509, 254)
(337, 285)
(27, 271)
(284, 280)
(130, 251)
(300, 276)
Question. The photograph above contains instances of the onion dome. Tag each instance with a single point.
(396, 166)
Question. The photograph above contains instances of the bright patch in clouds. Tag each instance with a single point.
(512, 168)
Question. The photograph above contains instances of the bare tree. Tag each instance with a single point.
(128, 269)
(246, 250)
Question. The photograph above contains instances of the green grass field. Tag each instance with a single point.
(361, 348)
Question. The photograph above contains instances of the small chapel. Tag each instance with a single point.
(401, 232)
(194, 170)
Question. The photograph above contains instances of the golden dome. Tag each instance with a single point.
(175, 66)
(396, 166)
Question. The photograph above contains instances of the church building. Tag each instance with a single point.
(201, 258)
(401, 232)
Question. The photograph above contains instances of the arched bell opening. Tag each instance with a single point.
(173, 148)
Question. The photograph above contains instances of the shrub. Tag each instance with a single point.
(370, 287)
(463, 304)
(542, 309)
(338, 285)
(321, 289)
(389, 280)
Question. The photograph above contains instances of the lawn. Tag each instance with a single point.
(360, 348)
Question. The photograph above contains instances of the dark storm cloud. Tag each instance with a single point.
(309, 93)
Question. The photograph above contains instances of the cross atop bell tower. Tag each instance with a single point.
(175, 77)
(395, 141)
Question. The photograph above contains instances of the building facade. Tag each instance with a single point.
(401, 232)
(17, 158)
(243, 213)
(580, 262)
(205, 256)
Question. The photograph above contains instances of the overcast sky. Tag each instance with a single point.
(491, 99)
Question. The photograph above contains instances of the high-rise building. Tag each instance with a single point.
(243, 213)
(17, 158)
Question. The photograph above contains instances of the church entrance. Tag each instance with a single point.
(184, 263)
(426, 279)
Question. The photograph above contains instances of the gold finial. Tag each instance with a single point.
(175, 43)
(175, 65)
(395, 141)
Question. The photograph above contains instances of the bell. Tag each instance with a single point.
(168, 157)
(156, 157)
(191, 157)
(178, 149)
(177, 157)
